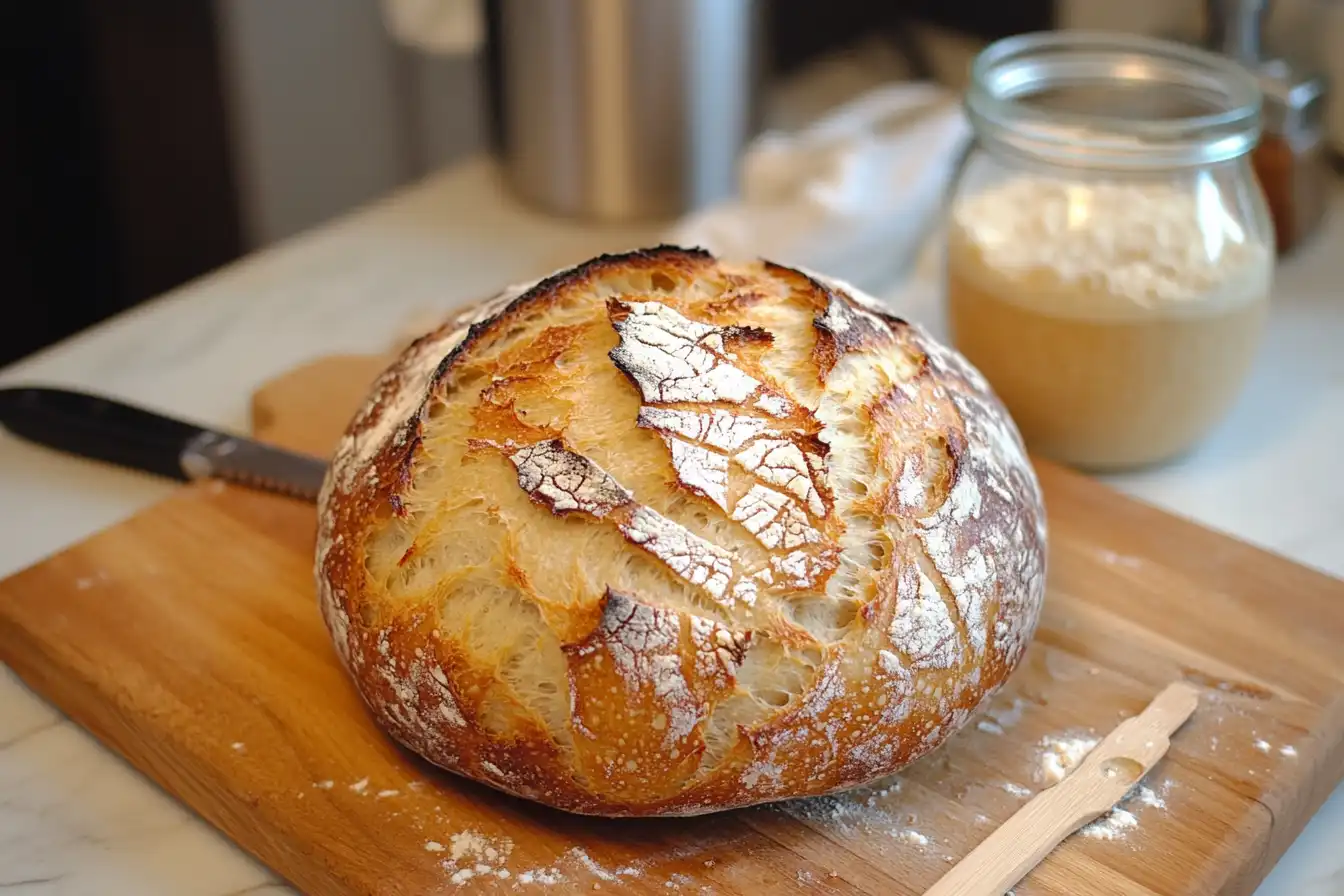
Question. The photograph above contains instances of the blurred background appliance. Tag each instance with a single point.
(626, 109)
(147, 142)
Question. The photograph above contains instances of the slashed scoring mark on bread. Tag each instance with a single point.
(661, 534)
(673, 359)
(717, 428)
(565, 481)
(775, 520)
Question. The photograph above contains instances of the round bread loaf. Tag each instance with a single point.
(665, 535)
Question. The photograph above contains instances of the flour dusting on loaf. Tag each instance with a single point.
(662, 534)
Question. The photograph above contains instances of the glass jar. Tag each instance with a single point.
(1109, 252)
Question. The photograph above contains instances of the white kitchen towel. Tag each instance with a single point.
(442, 27)
(854, 195)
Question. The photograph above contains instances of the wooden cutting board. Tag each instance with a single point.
(189, 641)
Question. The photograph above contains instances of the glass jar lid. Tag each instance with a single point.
(1112, 101)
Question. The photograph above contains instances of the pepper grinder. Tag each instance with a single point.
(1290, 160)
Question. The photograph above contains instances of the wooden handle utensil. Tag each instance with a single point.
(1101, 780)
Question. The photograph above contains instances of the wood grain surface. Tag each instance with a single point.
(188, 639)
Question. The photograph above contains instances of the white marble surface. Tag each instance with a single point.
(74, 819)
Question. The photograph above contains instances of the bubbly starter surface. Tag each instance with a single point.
(1116, 321)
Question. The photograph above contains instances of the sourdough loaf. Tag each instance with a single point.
(661, 534)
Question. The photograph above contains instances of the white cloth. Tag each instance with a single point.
(854, 195)
(442, 27)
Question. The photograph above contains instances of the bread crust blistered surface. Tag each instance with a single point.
(663, 535)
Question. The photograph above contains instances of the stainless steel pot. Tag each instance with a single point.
(626, 109)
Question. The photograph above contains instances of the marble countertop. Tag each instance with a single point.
(75, 819)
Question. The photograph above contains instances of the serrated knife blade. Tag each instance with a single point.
(112, 431)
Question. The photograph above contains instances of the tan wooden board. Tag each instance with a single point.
(189, 641)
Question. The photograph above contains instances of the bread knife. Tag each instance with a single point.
(104, 429)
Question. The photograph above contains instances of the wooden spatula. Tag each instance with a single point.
(1099, 782)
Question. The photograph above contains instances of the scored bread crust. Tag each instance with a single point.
(661, 534)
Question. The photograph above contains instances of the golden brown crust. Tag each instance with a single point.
(664, 535)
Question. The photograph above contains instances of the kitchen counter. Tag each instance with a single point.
(74, 819)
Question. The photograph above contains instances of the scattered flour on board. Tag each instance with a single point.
(857, 812)
(999, 719)
(911, 836)
(1124, 818)
(239, 747)
(85, 583)
(1016, 790)
(1266, 747)
(472, 854)
(1146, 795)
(360, 786)
(579, 855)
(1112, 825)
(1060, 754)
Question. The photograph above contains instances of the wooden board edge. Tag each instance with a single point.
(1285, 828)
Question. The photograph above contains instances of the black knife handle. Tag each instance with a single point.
(99, 428)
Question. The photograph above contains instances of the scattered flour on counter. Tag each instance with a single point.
(360, 786)
(989, 727)
(324, 785)
(434, 846)
(239, 747)
(1262, 745)
(1288, 751)
(1016, 790)
(384, 794)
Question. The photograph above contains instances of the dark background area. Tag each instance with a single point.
(116, 180)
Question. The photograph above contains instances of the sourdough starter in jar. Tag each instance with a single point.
(1117, 320)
